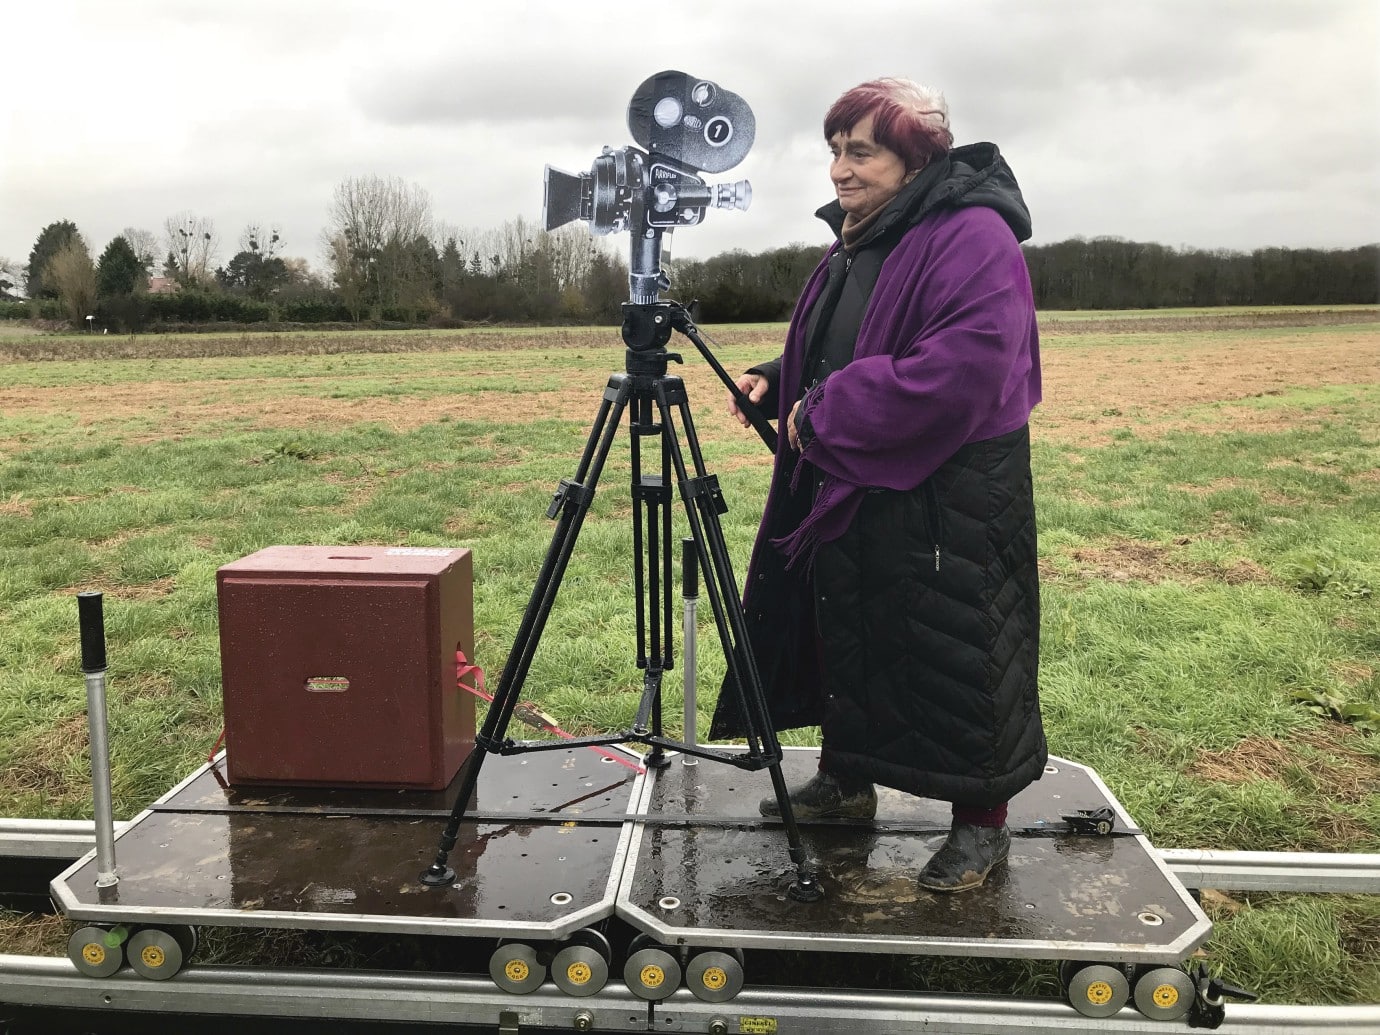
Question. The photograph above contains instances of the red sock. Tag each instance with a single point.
(993, 817)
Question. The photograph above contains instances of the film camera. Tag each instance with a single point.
(687, 126)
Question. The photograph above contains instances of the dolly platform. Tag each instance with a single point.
(567, 849)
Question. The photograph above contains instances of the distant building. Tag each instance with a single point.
(162, 286)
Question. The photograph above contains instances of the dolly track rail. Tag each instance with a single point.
(471, 1001)
(36, 981)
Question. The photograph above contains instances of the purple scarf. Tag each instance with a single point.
(948, 353)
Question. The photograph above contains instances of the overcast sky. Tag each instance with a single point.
(1205, 123)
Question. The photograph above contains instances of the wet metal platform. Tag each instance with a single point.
(707, 870)
(561, 840)
(542, 858)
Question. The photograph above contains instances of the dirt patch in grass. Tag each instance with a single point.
(1090, 392)
(1051, 323)
(1352, 673)
(1360, 935)
(32, 934)
(34, 768)
(1332, 755)
(1272, 496)
(1132, 560)
(151, 590)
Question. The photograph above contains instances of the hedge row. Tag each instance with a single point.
(202, 307)
(146, 312)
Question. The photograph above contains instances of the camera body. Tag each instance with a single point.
(686, 126)
(692, 121)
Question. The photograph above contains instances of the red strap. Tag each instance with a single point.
(463, 668)
(219, 741)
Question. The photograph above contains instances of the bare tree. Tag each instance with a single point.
(192, 245)
(379, 243)
(10, 274)
(260, 240)
(301, 273)
(572, 249)
(350, 275)
(145, 245)
(72, 273)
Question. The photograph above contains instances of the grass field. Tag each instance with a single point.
(1208, 485)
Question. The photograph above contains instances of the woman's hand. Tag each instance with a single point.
(791, 433)
(754, 386)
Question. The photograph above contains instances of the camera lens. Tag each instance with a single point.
(667, 112)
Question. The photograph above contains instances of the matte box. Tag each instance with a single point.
(338, 665)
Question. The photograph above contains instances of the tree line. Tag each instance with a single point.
(389, 260)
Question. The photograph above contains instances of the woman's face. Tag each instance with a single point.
(866, 175)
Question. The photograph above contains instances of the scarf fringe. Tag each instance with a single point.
(830, 515)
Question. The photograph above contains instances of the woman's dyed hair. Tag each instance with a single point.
(908, 118)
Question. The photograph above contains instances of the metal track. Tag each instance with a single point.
(474, 1002)
(460, 1001)
(1275, 871)
(67, 839)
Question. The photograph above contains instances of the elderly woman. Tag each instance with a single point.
(892, 595)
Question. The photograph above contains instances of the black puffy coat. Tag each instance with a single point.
(922, 679)
(913, 640)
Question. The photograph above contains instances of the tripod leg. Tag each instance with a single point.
(569, 505)
(651, 497)
(703, 505)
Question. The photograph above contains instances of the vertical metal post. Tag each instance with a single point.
(91, 613)
(690, 579)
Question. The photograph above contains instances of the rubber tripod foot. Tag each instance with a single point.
(438, 878)
(805, 888)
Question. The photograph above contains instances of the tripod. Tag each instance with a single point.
(653, 400)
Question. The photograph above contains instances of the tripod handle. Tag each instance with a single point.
(750, 410)
(758, 420)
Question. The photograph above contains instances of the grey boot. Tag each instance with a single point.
(826, 797)
(966, 857)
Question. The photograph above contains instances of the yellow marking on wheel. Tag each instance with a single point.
(153, 956)
(1100, 993)
(517, 970)
(578, 973)
(93, 953)
(652, 976)
(1165, 996)
(715, 978)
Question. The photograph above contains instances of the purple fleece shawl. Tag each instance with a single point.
(948, 353)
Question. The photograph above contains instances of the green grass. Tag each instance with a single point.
(1198, 579)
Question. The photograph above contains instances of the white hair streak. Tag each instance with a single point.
(925, 101)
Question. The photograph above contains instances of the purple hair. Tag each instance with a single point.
(907, 118)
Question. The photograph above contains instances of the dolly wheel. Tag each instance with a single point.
(155, 954)
(1164, 993)
(514, 967)
(652, 973)
(1096, 989)
(715, 976)
(581, 967)
(96, 951)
